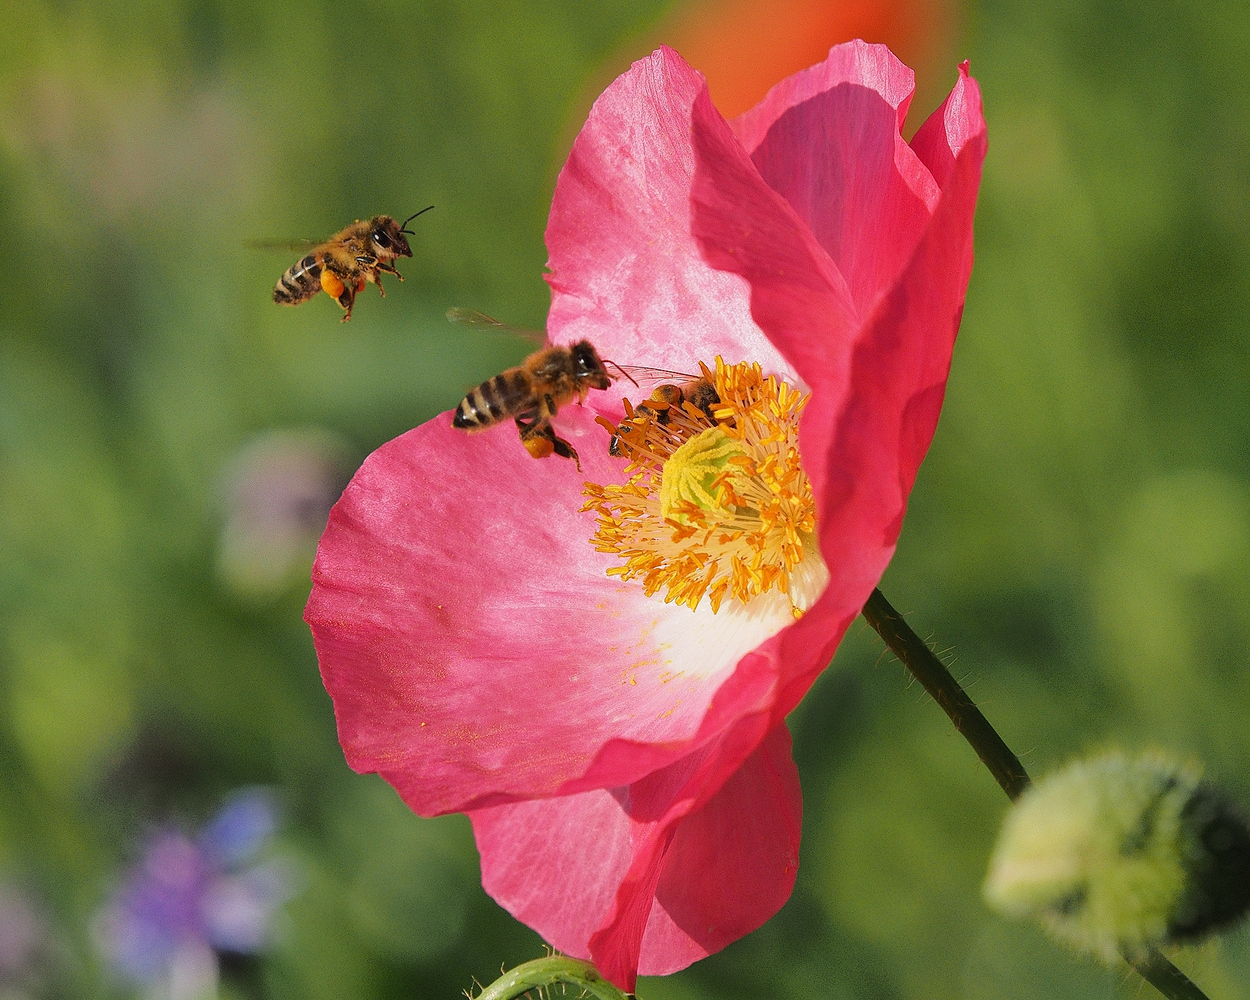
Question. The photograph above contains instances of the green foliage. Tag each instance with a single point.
(1078, 533)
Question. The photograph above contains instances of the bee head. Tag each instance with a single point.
(588, 367)
(387, 238)
(387, 235)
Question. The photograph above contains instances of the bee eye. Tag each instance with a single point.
(585, 362)
(382, 240)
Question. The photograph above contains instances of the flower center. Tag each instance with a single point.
(717, 503)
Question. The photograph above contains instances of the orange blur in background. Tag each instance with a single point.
(743, 47)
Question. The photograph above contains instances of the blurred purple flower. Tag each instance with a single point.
(189, 898)
(279, 488)
(26, 943)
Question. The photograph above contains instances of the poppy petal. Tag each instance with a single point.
(626, 272)
(864, 433)
(657, 875)
(457, 604)
(829, 140)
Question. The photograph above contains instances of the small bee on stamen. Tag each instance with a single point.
(699, 393)
(717, 503)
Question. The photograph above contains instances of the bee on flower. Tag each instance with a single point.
(717, 503)
(597, 667)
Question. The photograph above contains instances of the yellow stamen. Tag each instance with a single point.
(715, 506)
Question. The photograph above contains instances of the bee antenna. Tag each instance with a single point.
(622, 371)
(403, 228)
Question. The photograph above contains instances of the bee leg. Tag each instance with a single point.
(540, 440)
(377, 280)
(331, 284)
(537, 436)
(389, 269)
(347, 299)
(564, 449)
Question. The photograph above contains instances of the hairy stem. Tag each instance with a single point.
(543, 973)
(1165, 977)
(954, 701)
(1010, 774)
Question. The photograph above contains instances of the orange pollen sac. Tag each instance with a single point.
(330, 284)
(539, 447)
(716, 503)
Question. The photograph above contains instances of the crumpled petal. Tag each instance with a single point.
(704, 872)
(626, 272)
(829, 141)
(874, 67)
(877, 386)
(458, 609)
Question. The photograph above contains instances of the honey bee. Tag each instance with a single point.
(531, 394)
(342, 264)
(699, 393)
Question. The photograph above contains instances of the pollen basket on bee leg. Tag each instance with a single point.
(331, 285)
(539, 447)
(716, 503)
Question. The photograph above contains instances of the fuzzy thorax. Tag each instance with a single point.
(717, 504)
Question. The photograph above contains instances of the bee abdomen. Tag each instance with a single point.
(301, 282)
(492, 401)
(702, 394)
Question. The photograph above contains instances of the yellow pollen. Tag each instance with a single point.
(716, 503)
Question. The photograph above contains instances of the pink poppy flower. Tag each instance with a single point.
(617, 741)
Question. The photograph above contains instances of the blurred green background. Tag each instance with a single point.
(1078, 537)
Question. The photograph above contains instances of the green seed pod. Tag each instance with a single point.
(1115, 854)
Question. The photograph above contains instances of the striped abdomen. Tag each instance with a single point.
(496, 399)
(301, 282)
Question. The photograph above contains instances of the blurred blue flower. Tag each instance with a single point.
(191, 897)
(239, 831)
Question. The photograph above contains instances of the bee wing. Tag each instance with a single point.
(475, 317)
(639, 374)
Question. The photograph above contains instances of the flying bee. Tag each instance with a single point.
(342, 265)
(697, 395)
(532, 392)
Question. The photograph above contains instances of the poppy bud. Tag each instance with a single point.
(1115, 854)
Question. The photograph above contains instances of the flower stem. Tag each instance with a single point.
(1004, 765)
(542, 973)
(1164, 976)
(954, 701)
